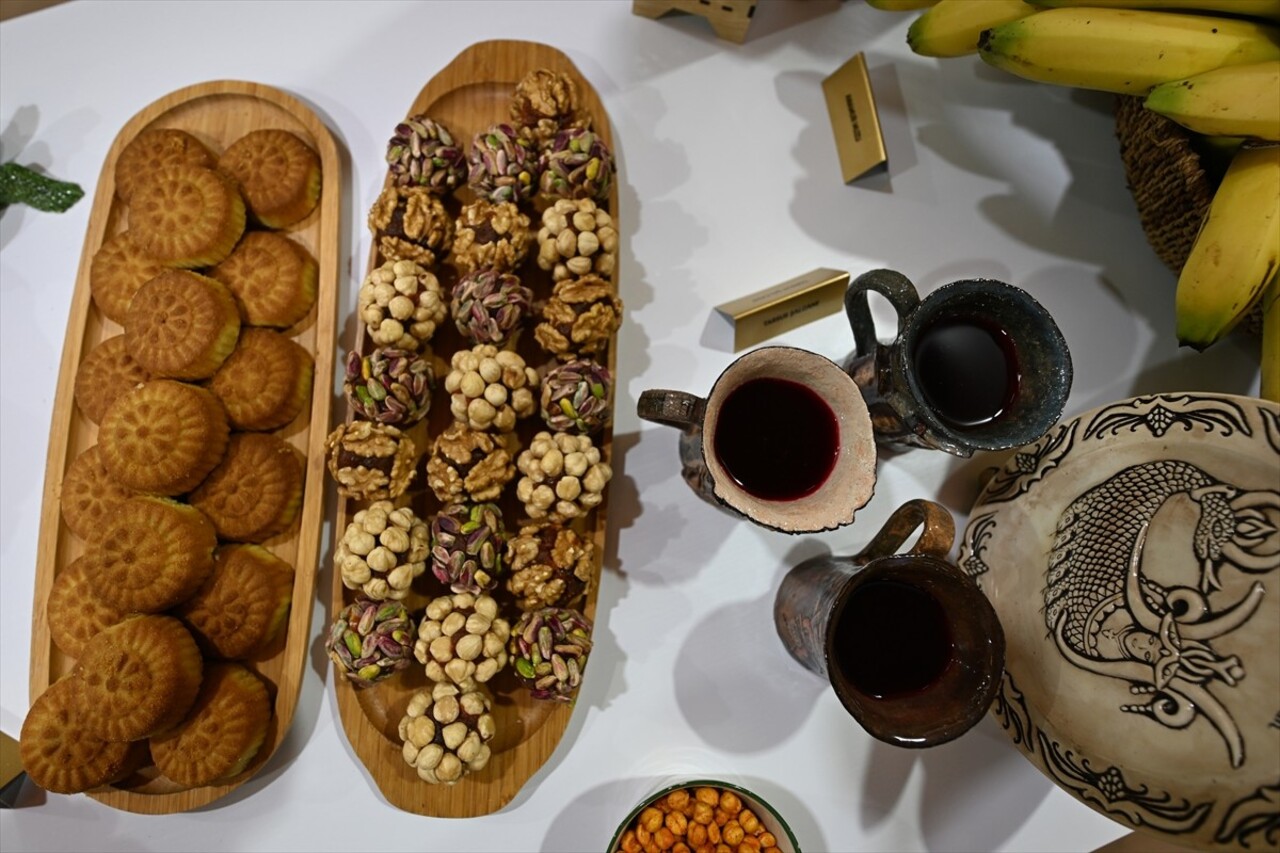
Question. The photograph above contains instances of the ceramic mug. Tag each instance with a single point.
(783, 438)
(976, 365)
(911, 646)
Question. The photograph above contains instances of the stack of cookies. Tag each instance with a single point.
(489, 473)
(176, 592)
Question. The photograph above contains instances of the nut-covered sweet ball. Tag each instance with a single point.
(371, 640)
(422, 153)
(468, 464)
(389, 385)
(549, 649)
(501, 168)
(577, 164)
(461, 637)
(576, 396)
(564, 476)
(550, 565)
(468, 543)
(544, 102)
(491, 235)
(490, 388)
(410, 223)
(489, 306)
(370, 461)
(580, 318)
(577, 237)
(401, 305)
(382, 550)
(446, 731)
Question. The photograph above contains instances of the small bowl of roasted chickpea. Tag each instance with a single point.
(703, 816)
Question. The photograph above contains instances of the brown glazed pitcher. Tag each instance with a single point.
(911, 646)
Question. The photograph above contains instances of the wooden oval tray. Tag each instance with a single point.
(217, 113)
(467, 96)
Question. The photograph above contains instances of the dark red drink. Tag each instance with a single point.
(967, 371)
(892, 639)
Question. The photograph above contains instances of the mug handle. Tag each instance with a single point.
(895, 287)
(935, 540)
(671, 408)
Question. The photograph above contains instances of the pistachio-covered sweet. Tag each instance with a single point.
(371, 640)
(576, 396)
(410, 223)
(370, 461)
(549, 649)
(422, 153)
(470, 465)
(382, 550)
(580, 318)
(490, 388)
(564, 476)
(445, 731)
(577, 164)
(468, 542)
(401, 304)
(550, 565)
(577, 237)
(501, 168)
(491, 235)
(389, 385)
(489, 306)
(461, 637)
(543, 103)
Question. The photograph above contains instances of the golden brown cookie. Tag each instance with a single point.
(117, 270)
(266, 382)
(181, 325)
(278, 173)
(244, 603)
(223, 732)
(152, 554)
(137, 678)
(256, 491)
(272, 278)
(106, 372)
(60, 756)
(75, 611)
(163, 437)
(155, 149)
(186, 216)
(89, 494)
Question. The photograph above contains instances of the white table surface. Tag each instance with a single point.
(729, 182)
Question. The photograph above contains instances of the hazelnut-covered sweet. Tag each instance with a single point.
(468, 464)
(550, 565)
(549, 649)
(489, 306)
(410, 223)
(371, 640)
(577, 164)
(490, 388)
(577, 237)
(370, 461)
(576, 396)
(422, 153)
(389, 385)
(491, 235)
(544, 102)
(461, 637)
(382, 550)
(401, 304)
(564, 476)
(445, 731)
(580, 318)
(468, 543)
(501, 168)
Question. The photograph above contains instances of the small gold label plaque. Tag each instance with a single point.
(851, 106)
(786, 306)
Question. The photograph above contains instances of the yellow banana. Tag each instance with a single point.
(1127, 51)
(1235, 100)
(952, 27)
(1252, 8)
(900, 5)
(1237, 251)
(1271, 342)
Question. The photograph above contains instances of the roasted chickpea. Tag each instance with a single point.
(732, 833)
(713, 832)
(771, 850)
(702, 813)
(644, 836)
(681, 847)
(664, 838)
(708, 796)
(678, 799)
(677, 823)
(722, 817)
(652, 847)
(651, 819)
(748, 821)
(723, 848)
(750, 844)
(767, 839)
(629, 842)
(697, 835)
(729, 802)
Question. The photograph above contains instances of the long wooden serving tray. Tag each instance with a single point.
(468, 96)
(217, 113)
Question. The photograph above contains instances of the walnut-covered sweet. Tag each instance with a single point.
(501, 168)
(445, 732)
(550, 565)
(370, 461)
(401, 304)
(410, 223)
(490, 388)
(371, 640)
(468, 544)
(580, 318)
(389, 385)
(461, 637)
(491, 235)
(470, 465)
(543, 103)
(576, 164)
(382, 550)
(577, 237)
(563, 476)
(422, 153)
(489, 306)
(577, 396)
